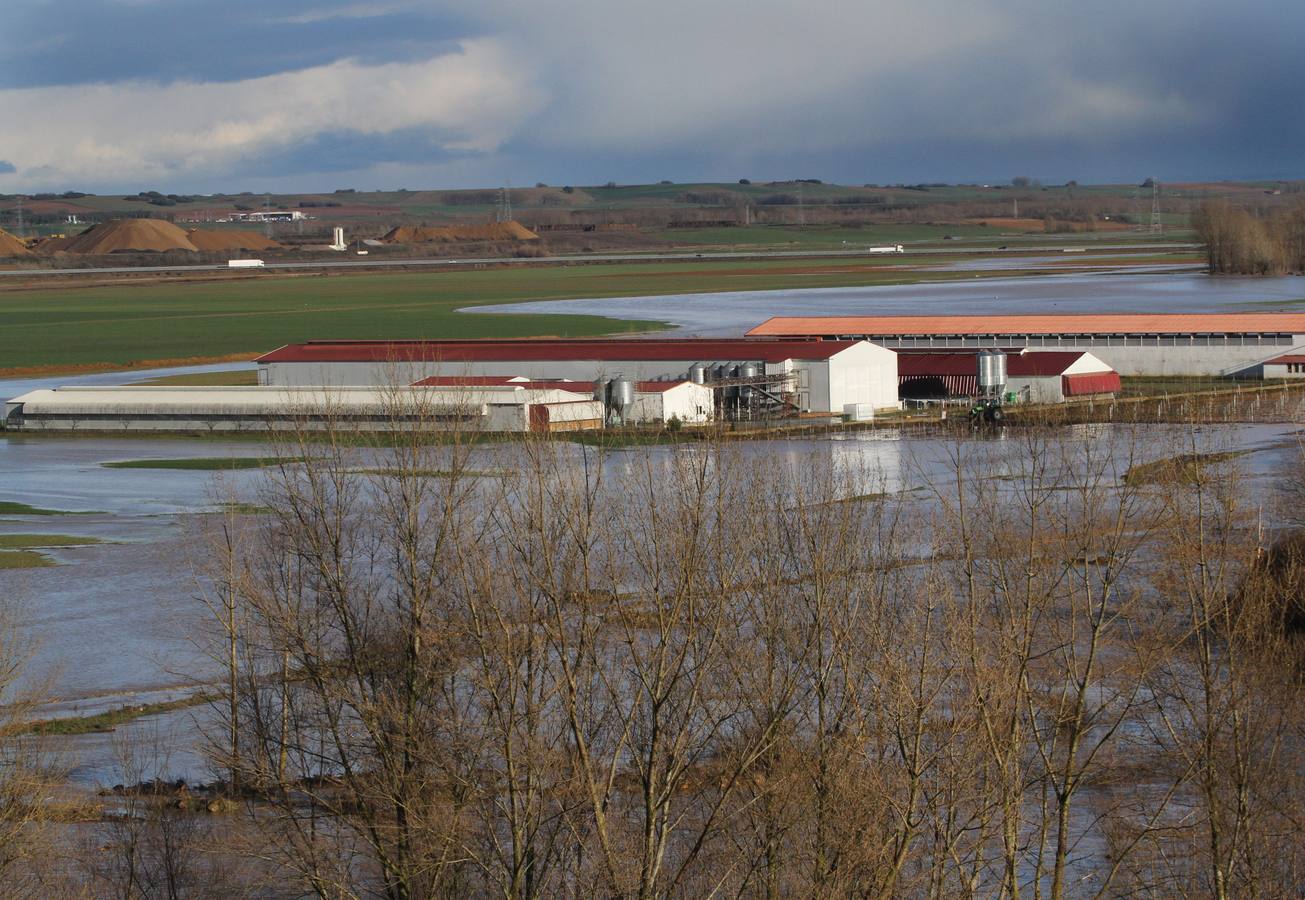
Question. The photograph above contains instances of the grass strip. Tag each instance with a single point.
(111, 719)
(206, 463)
(398, 472)
(1186, 468)
(246, 509)
(24, 559)
(8, 507)
(240, 378)
(30, 541)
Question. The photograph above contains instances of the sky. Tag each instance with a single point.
(196, 96)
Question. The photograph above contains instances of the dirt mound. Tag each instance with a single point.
(212, 240)
(11, 246)
(124, 236)
(447, 234)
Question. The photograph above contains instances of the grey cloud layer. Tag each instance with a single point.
(877, 91)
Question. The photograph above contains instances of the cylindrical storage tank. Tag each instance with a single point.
(748, 370)
(698, 373)
(992, 371)
(622, 394)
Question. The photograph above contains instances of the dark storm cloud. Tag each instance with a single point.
(77, 41)
(588, 90)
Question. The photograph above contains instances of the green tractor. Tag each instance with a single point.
(987, 412)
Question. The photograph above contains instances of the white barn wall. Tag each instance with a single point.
(866, 373)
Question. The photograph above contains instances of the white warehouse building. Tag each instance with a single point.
(503, 407)
(804, 375)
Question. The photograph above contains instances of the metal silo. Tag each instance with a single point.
(992, 373)
(749, 371)
(621, 396)
(698, 373)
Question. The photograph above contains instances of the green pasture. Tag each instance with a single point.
(122, 324)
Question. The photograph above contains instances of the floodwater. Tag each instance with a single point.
(733, 313)
(117, 623)
(13, 387)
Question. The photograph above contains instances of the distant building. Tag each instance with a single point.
(268, 215)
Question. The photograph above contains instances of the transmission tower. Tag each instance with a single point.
(1156, 225)
(21, 230)
(505, 202)
(802, 207)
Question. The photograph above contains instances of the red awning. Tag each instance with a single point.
(1090, 383)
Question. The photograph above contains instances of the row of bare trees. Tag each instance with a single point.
(1239, 242)
(689, 673)
(545, 670)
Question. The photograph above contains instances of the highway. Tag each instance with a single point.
(379, 263)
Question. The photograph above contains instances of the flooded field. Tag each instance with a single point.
(736, 312)
(118, 622)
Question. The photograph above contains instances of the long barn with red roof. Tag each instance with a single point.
(1217, 344)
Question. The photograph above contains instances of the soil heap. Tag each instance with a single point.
(214, 240)
(448, 234)
(123, 236)
(11, 246)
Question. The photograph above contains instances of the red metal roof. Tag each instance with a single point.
(1284, 360)
(692, 350)
(1018, 365)
(1125, 323)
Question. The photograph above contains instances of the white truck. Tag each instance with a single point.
(887, 248)
(244, 263)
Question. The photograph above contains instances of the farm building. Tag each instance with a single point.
(1031, 376)
(654, 401)
(661, 401)
(1205, 344)
(507, 407)
(1289, 366)
(798, 375)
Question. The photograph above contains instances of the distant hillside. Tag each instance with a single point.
(544, 209)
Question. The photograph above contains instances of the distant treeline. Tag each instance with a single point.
(1241, 242)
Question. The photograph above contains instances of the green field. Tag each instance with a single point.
(24, 559)
(118, 325)
(37, 541)
(241, 378)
